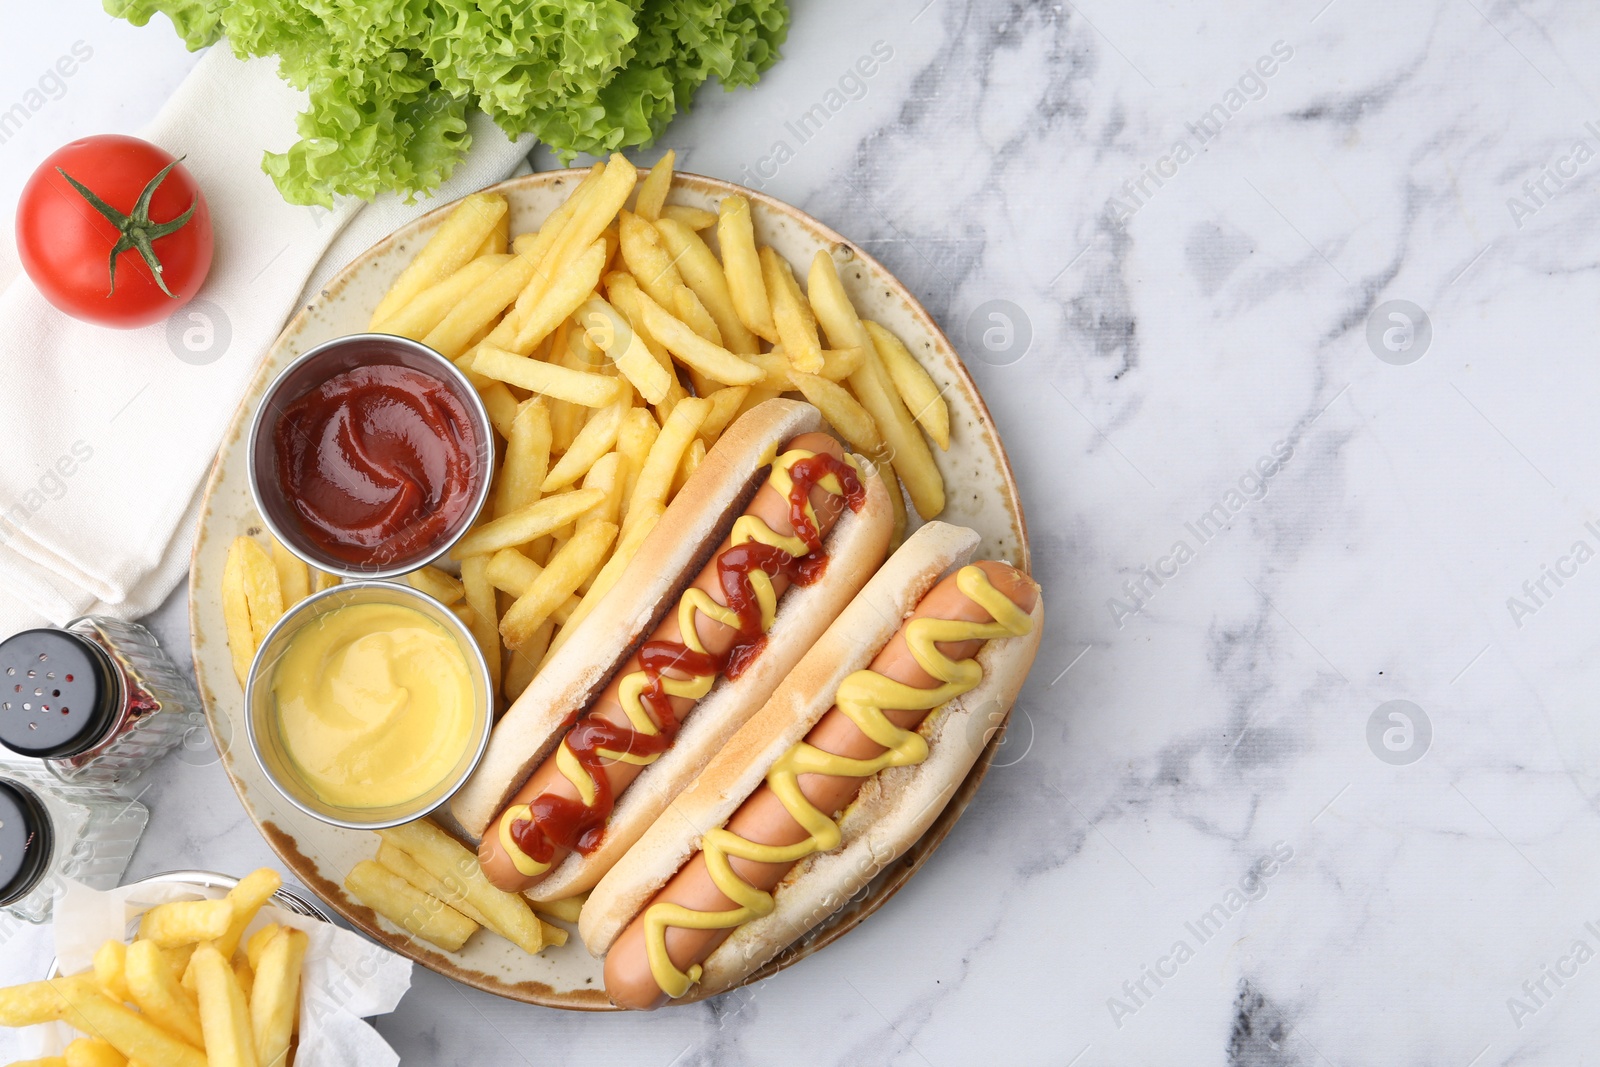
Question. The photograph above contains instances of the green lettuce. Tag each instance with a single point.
(390, 81)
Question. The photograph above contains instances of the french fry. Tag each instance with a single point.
(655, 477)
(642, 518)
(224, 1015)
(591, 215)
(638, 433)
(451, 246)
(703, 274)
(843, 412)
(913, 462)
(92, 1052)
(625, 294)
(725, 405)
(452, 334)
(186, 922)
(916, 388)
(742, 266)
(48, 1001)
(321, 580)
(294, 577)
(653, 189)
(499, 239)
(538, 247)
(245, 975)
(501, 406)
(248, 898)
(568, 569)
(483, 619)
(562, 296)
(565, 910)
(159, 995)
(607, 327)
(258, 942)
(445, 588)
(251, 601)
(647, 258)
(692, 458)
(548, 379)
(178, 959)
(43, 1061)
(453, 864)
(527, 458)
(275, 996)
(598, 436)
(523, 663)
(414, 911)
(831, 305)
(693, 217)
(131, 1034)
(526, 524)
(400, 863)
(837, 365)
(712, 360)
(512, 572)
(797, 326)
(692, 311)
(420, 315)
(110, 966)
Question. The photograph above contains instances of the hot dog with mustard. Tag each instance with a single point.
(844, 769)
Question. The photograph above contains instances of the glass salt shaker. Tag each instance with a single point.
(98, 700)
(50, 833)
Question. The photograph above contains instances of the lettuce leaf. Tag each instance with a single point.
(390, 81)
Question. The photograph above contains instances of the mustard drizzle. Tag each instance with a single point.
(862, 696)
(746, 528)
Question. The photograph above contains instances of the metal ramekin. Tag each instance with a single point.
(307, 373)
(261, 705)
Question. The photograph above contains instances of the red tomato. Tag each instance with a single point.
(65, 240)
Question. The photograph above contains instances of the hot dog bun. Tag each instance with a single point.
(689, 531)
(894, 808)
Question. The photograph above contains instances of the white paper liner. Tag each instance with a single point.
(346, 979)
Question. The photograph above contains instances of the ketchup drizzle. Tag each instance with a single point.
(558, 820)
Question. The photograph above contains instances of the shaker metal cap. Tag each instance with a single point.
(26, 840)
(58, 694)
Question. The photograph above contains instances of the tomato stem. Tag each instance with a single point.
(137, 231)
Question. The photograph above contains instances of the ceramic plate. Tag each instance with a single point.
(981, 494)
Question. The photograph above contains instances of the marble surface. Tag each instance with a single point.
(1267, 502)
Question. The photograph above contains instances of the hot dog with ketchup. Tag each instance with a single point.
(844, 769)
(614, 727)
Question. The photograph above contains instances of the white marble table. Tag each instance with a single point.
(1214, 839)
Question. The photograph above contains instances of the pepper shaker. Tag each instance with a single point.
(97, 700)
(50, 833)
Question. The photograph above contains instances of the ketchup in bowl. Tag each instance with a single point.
(377, 463)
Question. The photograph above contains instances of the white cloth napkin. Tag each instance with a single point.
(107, 435)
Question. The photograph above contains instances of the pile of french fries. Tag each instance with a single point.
(611, 348)
(188, 991)
(430, 885)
